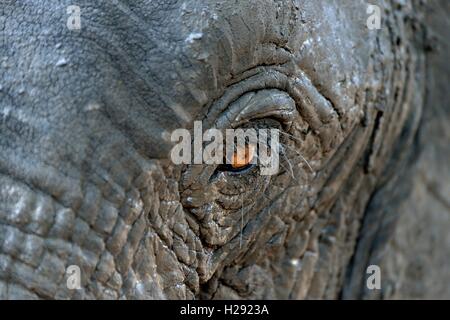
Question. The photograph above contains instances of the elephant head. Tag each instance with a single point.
(86, 177)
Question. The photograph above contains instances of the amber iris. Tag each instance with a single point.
(243, 156)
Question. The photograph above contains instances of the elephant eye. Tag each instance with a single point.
(241, 160)
(243, 156)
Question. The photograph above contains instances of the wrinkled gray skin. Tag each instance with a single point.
(86, 178)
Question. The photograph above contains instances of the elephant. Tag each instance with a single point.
(90, 93)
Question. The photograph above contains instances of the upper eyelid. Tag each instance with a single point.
(267, 103)
(261, 104)
(265, 80)
(311, 104)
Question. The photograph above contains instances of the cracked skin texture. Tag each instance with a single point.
(85, 175)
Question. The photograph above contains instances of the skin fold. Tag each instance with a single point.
(86, 177)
